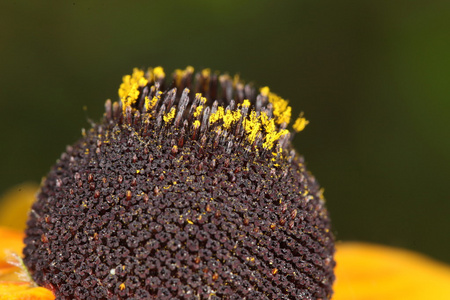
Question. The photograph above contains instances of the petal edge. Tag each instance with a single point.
(22, 291)
(369, 272)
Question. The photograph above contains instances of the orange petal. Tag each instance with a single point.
(11, 241)
(22, 291)
(15, 205)
(373, 272)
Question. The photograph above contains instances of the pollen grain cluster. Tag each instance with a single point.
(188, 189)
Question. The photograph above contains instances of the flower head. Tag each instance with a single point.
(191, 192)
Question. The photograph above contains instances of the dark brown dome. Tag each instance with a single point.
(174, 196)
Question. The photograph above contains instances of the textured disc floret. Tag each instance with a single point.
(186, 189)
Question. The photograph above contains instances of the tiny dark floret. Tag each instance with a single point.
(185, 191)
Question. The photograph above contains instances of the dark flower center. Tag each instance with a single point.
(176, 196)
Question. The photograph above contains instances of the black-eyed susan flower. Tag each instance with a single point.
(188, 189)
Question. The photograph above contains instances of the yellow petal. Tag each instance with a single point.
(22, 291)
(373, 272)
(15, 205)
(11, 241)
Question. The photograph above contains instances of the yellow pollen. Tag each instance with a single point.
(189, 69)
(272, 134)
(236, 80)
(218, 115)
(230, 117)
(300, 123)
(281, 109)
(122, 286)
(128, 90)
(206, 72)
(150, 104)
(272, 137)
(198, 111)
(147, 104)
(321, 196)
(179, 74)
(258, 126)
(169, 116)
(252, 126)
(131, 97)
(159, 74)
(264, 91)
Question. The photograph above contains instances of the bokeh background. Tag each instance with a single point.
(373, 77)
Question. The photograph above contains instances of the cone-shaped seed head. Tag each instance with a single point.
(191, 192)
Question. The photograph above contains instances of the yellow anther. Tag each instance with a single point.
(218, 115)
(224, 77)
(281, 109)
(257, 126)
(198, 111)
(227, 119)
(206, 72)
(272, 134)
(236, 80)
(231, 117)
(150, 104)
(252, 126)
(179, 74)
(147, 103)
(159, 74)
(300, 123)
(189, 69)
(131, 97)
(142, 81)
(264, 91)
(268, 123)
(129, 89)
(272, 137)
(169, 116)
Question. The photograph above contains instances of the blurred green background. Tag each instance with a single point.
(373, 77)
